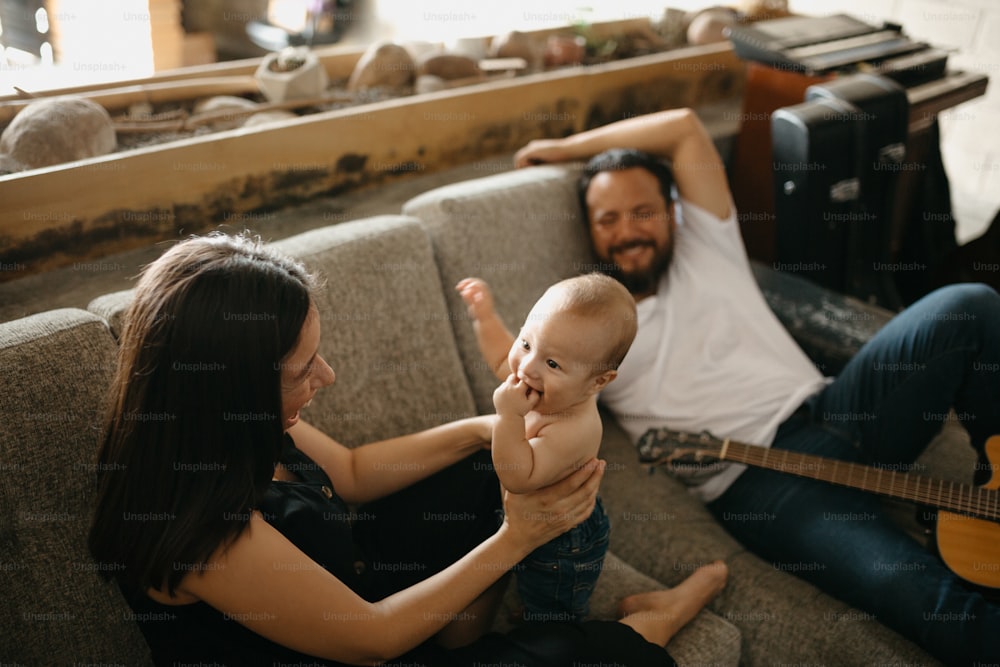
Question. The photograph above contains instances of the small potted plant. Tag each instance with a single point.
(292, 73)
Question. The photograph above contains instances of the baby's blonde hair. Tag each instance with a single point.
(599, 296)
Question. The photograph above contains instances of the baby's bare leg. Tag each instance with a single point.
(659, 615)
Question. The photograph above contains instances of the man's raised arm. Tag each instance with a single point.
(676, 134)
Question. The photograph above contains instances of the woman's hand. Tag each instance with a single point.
(540, 516)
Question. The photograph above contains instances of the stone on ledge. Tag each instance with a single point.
(383, 65)
(55, 130)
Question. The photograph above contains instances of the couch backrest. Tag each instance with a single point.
(111, 307)
(386, 331)
(54, 370)
(521, 231)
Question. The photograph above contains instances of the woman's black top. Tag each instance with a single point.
(376, 550)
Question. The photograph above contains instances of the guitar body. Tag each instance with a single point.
(971, 547)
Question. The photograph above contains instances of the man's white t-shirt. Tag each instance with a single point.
(709, 353)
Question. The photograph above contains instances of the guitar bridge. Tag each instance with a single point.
(679, 455)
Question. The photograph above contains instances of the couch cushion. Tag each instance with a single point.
(56, 367)
(112, 308)
(520, 231)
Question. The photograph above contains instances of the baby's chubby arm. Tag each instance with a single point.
(523, 465)
(492, 334)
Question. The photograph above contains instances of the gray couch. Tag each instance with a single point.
(401, 343)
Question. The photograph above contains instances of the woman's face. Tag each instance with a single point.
(303, 372)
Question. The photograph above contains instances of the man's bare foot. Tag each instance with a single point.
(659, 615)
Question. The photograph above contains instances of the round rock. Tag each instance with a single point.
(220, 104)
(9, 165)
(266, 117)
(383, 65)
(517, 44)
(56, 130)
(449, 66)
(708, 26)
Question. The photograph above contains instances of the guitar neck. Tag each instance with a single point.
(953, 496)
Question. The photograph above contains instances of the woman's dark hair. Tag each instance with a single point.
(194, 426)
(618, 159)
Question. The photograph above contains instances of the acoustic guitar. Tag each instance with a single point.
(967, 529)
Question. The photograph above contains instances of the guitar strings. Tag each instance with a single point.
(976, 501)
(960, 497)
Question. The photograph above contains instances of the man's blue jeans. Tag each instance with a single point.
(942, 352)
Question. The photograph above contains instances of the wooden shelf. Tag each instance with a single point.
(91, 208)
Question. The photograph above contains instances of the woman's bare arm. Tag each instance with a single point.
(375, 470)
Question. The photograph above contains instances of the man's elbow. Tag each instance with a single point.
(690, 119)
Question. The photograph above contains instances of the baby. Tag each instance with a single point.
(547, 423)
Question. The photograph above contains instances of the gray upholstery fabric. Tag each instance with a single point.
(520, 231)
(56, 367)
(112, 307)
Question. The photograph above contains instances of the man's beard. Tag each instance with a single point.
(646, 280)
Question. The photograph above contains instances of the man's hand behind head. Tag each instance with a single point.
(542, 151)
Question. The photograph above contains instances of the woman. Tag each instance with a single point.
(226, 519)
